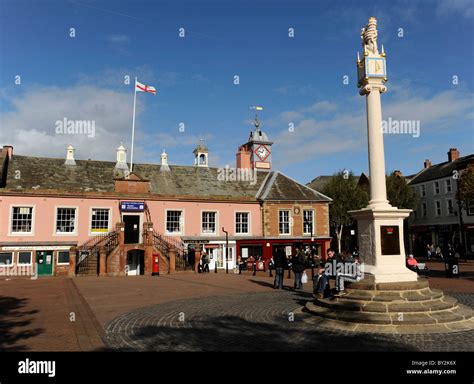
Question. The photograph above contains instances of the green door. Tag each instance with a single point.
(44, 262)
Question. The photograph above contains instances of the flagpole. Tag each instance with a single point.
(133, 123)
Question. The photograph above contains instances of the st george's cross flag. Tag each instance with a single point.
(139, 87)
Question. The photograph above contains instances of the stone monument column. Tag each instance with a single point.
(380, 225)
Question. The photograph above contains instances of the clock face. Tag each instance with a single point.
(262, 152)
(375, 67)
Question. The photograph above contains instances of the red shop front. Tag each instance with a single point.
(265, 248)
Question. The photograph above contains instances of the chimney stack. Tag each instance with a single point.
(453, 154)
(9, 151)
(427, 164)
(70, 156)
(243, 158)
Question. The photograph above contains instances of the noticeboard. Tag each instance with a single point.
(390, 237)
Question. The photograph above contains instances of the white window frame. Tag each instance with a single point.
(423, 190)
(424, 210)
(447, 207)
(57, 257)
(90, 220)
(290, 219)
(10, 222)
(216, 222)
(76, 221)
(249, 221)
(181, 223)
(18, 258)
(313, 221)
(13, 259)
(436, 208)
(434, 188)
(446, 186)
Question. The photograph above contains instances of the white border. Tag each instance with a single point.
(18, 258)
(216, 232)
(249, 224)
(33, 217)
(181, 222)
(90, 219)
(76, 221)
(13, 260)
(57, 257)
(290, 218)
(302, 221)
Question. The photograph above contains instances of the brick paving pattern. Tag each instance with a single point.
(258, 322)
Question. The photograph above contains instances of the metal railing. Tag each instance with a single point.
(88, 254)
(165, 243)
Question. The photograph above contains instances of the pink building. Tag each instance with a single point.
(68, 216)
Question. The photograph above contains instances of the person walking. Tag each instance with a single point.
(297, 264)
(280, 263)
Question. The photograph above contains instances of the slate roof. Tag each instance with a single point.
(320, 182)
(442, 170)
(40, 173)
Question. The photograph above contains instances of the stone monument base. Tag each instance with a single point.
(401, 307)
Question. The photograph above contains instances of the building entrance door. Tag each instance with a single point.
(44, 262)
(132, 229)
(135, 262)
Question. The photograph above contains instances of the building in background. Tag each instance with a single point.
(437, 219)
(68, 216)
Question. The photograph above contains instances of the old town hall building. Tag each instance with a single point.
(71, 217)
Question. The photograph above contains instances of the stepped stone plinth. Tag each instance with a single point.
(405, 307)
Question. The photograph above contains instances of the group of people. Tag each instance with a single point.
(342, 268)
(297, 263)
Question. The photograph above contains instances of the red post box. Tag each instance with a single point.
(155, 265)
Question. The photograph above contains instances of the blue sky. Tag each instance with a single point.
(298, 80)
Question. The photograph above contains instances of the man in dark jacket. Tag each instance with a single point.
(280, 263)
(297, 264)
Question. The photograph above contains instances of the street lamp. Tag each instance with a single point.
(226, 250)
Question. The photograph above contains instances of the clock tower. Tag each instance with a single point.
(258, 147)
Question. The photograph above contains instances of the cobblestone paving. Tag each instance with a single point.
(258, 322)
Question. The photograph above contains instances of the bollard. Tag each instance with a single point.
(270, 269)
(254, 268)
(215, 266)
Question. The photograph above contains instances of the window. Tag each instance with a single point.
(24, 257)
(209, 222)
(436, 187)
(241, 222)
(6, 258)
(63, 257)
(423, 210)
(308, 222)
(450, 207)
(100, 220)
(22, 219)
(284, 222)
(66, 220)
(448, 186)
(423, 190)
(438, 208)
(173, 221)
(470, 209)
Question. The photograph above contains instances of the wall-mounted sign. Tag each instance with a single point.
(132, 206)
(390, 236)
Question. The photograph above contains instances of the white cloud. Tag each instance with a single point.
(461, 7)
(318, 134)
(118, 39)
(30, 126)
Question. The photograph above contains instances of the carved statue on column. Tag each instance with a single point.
(369, 36)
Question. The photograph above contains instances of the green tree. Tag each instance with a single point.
(466, 187)
(347, 196)
(399, 193)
